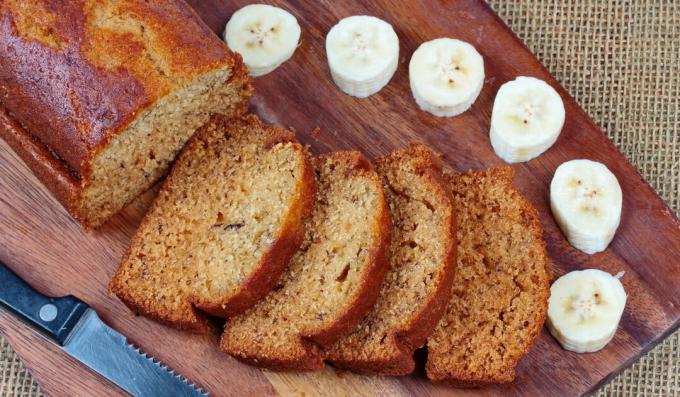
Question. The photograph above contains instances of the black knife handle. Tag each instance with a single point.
(54, 316)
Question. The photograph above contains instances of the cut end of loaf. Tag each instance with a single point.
(139, 155)
(418, 283)
(501, 287)
(223, 226)
(108, 92)
(331, 282)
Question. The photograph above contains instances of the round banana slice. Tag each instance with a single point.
(446, 76)
(264, 35)
(584, 309)
(363, 54)
(586, 201)
(527, 117)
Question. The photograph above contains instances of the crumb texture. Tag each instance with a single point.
(330, 282)
(418, 282)
(238, 192)
(113, 89)
(501, 287)
(141, 154)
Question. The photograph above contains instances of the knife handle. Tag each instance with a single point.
(56, 317)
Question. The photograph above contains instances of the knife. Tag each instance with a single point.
(76, 328)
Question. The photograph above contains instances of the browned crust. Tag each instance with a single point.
(239, 72)
(52, 172)
(377, 264)
(276, 259)
(198, 323)
(77, 105)
(405, 341)
(378, 260)
(64, 183)
(272, 265)
(313, 359)
(69, 114)
(508, 374)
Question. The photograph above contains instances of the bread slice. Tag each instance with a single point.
(501, 287)
(417, 286)
(223, 227)
(332, 281)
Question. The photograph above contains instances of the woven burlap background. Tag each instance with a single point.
(621, 60)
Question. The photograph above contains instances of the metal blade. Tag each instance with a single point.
(108, 353)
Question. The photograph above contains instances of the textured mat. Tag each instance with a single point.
(620, 59)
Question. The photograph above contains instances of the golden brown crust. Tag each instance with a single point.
(240, 75)
(198, 322)
(75, 74)
(420, 326)
(313, 358)
(271, 265)
(530, 220)
(50, 170)
(98, 62)
(378, 260)
(276, 259)
(376, 263)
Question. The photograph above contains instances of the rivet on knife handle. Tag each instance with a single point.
(56, 317)
(80, 333)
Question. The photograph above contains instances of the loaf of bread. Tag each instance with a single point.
(332, 281)
(98, 96)
(223, 226)
(417, 285)
(500, 291)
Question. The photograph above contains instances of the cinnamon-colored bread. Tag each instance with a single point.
(99, 96)
(501, 287)
(223, 226)
(331, 283)
(417, 285)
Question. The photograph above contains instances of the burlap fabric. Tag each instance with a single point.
(620, 59)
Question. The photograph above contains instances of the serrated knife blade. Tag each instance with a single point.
(78, 330)
(107, 352)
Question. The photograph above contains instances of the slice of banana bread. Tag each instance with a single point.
(501, 286)
(417, 285)
(333, 280)
(223, 227)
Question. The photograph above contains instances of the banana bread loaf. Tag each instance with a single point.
(501, 287)
(417, 285)
(98, 96)
(223, 227)
(331, 282)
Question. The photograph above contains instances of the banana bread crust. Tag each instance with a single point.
(378, 261)
(413, 335)
(75, 74)
(270, 266)
(74, 50)
(275, 259)
(313, 344)
(533, 284)
(49, 169)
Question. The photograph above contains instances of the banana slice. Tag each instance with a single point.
(446, 76)
(363, 54)
(584, 309)
(527, 117)
(265, 36)
(586, 201)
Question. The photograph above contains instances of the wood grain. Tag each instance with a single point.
(42, 244)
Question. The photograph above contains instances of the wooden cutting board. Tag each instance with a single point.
(46, 247)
